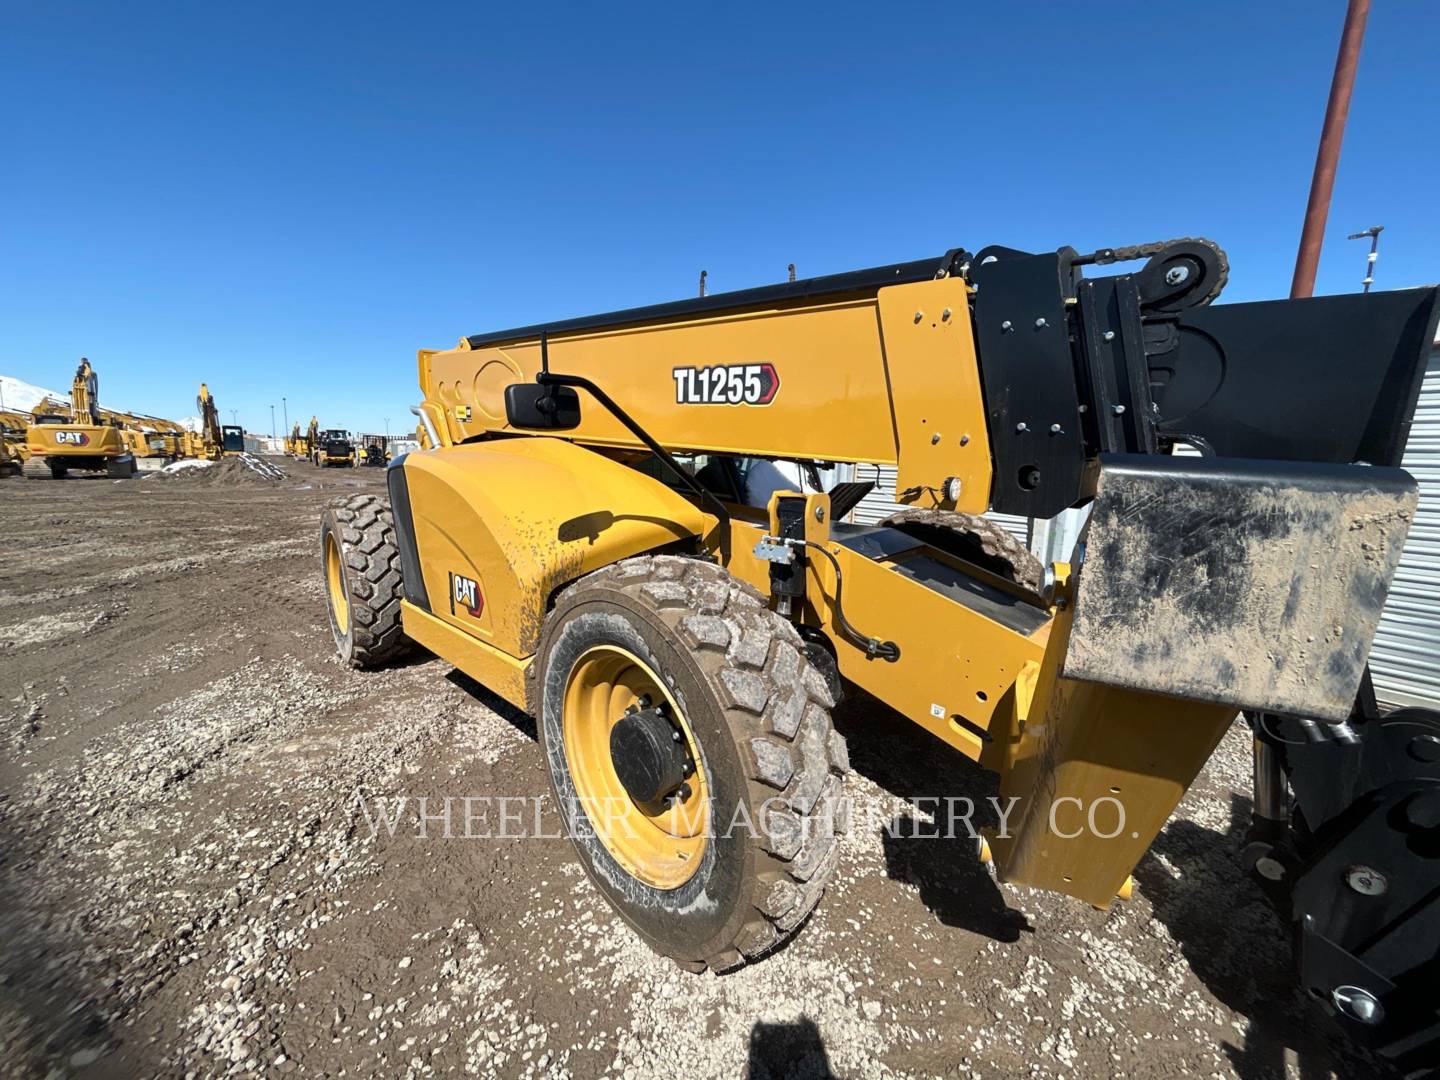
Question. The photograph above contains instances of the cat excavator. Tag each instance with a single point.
(81, 438)
(584, 534)
(214, 441)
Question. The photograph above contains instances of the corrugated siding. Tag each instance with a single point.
(881, 503)
(1405, 660)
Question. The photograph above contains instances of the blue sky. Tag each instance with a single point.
(289, 199)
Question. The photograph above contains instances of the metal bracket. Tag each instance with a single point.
(772, 549)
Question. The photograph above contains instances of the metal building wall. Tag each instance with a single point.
(1405, 660)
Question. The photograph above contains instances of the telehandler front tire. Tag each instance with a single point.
(725, 866)
(362, 580)
(975, 539)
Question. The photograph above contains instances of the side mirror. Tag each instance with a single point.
(550, 408)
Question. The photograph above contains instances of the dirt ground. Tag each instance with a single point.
(189, 885)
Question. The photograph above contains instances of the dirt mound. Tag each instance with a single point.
(246, 469)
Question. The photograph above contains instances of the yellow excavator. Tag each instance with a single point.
(82, 438)
(599, 533)
(14, 451)
(214, 440)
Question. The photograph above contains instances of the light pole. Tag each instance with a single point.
(1327, 158)
(233, 417)
(272, 422)
(1374, 234)
(285, 412)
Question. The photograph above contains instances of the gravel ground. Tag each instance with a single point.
(191, 885)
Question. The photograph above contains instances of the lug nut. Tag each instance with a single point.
(1366, 881)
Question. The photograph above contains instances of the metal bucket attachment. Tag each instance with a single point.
(1256, 584)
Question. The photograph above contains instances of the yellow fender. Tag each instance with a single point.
(519, 518)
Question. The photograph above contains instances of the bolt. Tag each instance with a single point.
(1022, 427)
(1358, 1003)
(934, 438)
(964, 440)
(919, 315)
(1425, 748)
(1176, 274)
(945, 315)
(1007, 326)
(1118, 410)
(1056, 429)
(819, 513)
(1365, 881)
(1422, 810)
(1270, 869)
(1040, 324)
(1108, 335)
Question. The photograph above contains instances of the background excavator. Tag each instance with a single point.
(297, 445)
(591, 534)
(14, 450)
(214, 440)
(81, 438)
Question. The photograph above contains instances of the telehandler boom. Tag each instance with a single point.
(595, 531)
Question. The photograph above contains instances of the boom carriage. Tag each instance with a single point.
(595, 531)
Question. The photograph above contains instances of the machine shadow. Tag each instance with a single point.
(937, 856)
(519, 719)
(51, 990)
(788, 1052)
(1239, 947)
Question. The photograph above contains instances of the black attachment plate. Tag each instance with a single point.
(1028, 374)
(1333, 378)
(1247, 583)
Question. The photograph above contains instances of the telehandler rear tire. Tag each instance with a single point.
(362, 580)
(726, 866)
(974, 539)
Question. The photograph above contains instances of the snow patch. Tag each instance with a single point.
(16, 395)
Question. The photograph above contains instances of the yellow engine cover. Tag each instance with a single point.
(500, 525)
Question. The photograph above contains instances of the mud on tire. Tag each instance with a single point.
(760, 715)
(365, 617)
(975, 539)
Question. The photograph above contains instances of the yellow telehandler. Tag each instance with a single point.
(594, 531)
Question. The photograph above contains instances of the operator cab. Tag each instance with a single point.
(232, 439)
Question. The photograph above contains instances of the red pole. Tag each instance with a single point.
(1322, 183)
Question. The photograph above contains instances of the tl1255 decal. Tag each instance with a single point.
(726, 384)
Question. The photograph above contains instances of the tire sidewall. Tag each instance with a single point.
(344, 636)
(702, 916)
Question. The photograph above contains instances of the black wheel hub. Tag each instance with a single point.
(649, 755)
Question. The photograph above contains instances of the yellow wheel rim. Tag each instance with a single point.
(335, 585)
(662, 843)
